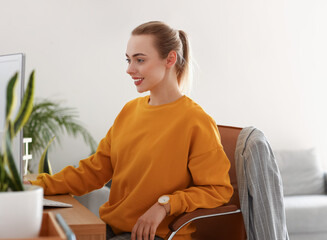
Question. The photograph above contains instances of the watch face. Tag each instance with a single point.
(163, 199)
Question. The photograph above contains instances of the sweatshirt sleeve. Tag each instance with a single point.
(209, 167)
(92, 173)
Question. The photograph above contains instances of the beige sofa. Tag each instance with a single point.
(305, 198)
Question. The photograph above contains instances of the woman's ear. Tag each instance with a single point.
(171, 59)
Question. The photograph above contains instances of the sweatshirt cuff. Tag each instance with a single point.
(175, 205)
(40, 182)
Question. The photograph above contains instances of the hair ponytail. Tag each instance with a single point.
(166, 40)
(184, 75)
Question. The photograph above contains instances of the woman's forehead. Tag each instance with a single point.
(140, 44)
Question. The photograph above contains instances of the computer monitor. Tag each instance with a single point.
(9, 65)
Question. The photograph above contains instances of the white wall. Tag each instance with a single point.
(260, 63)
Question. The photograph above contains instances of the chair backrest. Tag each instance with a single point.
(231, 226)
(229, 137)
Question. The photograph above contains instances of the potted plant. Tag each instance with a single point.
(20, 205)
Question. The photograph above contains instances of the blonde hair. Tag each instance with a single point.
(168, 39)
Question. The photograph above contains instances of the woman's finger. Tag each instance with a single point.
(134, 230)
(153, 230)
(146, 232)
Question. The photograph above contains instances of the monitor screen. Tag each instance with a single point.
(9, 65)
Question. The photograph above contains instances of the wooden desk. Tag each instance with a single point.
(82, 221)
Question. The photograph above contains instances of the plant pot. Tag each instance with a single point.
(21, 213)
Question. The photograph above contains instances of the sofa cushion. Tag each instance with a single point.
(306, 214)
(301, 172)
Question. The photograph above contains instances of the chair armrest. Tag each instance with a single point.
(186, 218)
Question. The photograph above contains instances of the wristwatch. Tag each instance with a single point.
(163, 201)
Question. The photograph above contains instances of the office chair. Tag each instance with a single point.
(256, 209)
(225, 221)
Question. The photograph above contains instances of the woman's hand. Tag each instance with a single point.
(26, 181)
(146, 226)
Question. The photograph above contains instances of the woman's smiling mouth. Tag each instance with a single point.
(138, 81)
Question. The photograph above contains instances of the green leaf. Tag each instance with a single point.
(26, 107)
(44, 164)
(11, 96)
(14, 178)
(3, 183)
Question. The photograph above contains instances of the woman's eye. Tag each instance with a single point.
(128, 60)
(140, 60)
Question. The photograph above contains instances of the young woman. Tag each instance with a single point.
(163, 152)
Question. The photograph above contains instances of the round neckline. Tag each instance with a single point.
(147, 105)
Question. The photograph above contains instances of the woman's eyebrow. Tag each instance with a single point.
(136, 54)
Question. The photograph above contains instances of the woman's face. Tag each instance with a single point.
(145, 66)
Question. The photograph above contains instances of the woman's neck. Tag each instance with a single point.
(164, 93)
(164, 98)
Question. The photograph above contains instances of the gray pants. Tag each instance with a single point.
(123, 236)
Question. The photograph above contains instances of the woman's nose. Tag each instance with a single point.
(130, 69)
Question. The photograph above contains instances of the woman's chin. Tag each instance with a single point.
(141, 90)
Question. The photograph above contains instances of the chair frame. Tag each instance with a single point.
(186, 218)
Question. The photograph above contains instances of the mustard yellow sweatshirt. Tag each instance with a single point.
(172, 149)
